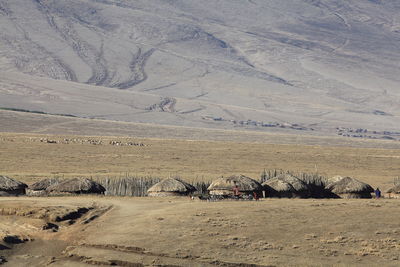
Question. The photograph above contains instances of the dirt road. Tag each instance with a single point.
(181, 232)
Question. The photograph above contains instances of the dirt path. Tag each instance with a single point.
(180, 232)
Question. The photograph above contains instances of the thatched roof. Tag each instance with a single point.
(172, 185)
(313, 180)
(278, 185)
(297, 184)
(9, 184)
(44, 184)
(394, 190)
(243, 182)
(77, 185)
(348, 185)
(287, 182)
(333, 179)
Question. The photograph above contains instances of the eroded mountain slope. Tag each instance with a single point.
(311, 65)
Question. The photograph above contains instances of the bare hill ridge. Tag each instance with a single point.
(327, 66)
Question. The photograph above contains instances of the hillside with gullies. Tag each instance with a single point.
(324, 67)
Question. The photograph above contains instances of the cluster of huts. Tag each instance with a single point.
(11, 187)
(282, 186)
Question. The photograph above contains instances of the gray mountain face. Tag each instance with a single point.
(313, 66)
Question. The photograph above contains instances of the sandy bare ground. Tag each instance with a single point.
(181, 232)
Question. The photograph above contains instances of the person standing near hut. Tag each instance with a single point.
(377, 193)
(255, 196)
(236, 191)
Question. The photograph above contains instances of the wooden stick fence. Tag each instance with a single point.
(138, 186)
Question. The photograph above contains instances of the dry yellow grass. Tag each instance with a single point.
(24, 157)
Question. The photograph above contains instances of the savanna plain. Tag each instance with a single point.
(178, 231)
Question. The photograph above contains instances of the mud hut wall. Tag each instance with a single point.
(17, 192)
(391, 195)
(221, 192)
(355, 195)
(30, 192)
(275, 194)
(225, 192)
(166, 194)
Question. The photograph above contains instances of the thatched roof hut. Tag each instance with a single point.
(348, 187)
(77, 186)
(278, 188)
(170, 187)
(286, 185)
(224, 185)
(11, 187)
(39, 188)
(394, 192)
(317, 185)
(44, 184)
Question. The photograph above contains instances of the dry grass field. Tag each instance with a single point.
(181, 232)
(25, 157)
